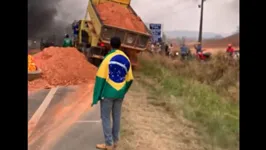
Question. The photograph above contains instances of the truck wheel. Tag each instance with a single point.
(95, 61)
(86, 49)
(89, 55)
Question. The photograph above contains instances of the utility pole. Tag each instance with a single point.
(201, 20)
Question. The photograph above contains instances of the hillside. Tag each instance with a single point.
(232, 39)
(191, 34)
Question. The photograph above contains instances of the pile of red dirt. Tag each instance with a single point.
(62, 66)
(38, 84)
(117, 15)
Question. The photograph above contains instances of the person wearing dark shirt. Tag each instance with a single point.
(199, 52)
(198, 47)
(184, 51)
(166, 49)
(75, 29)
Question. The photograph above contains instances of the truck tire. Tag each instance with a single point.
(89, 55)
(94, 51)
(79, 47)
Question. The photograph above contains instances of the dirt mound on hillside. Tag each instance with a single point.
(233, 39)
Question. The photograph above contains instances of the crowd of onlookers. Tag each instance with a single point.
(184, 50)
(161, 47)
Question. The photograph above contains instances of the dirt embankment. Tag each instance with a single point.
(119, 16)
(214, 43)
(61, 66)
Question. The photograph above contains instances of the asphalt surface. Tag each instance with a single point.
(82, 135)
(35, 100)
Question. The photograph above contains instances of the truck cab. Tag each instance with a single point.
(83, 34)
(86, 41)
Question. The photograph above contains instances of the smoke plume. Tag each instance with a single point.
(41, 15)
(46, 17)
(53, 17)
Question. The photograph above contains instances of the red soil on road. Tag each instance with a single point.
(62, 66)
(61, 117)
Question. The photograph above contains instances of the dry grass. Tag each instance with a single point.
(204, 93)
(221, 73)
(149, 127)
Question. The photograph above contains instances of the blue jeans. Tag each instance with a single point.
(108, 105)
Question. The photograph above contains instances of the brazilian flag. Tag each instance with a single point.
(114, 77)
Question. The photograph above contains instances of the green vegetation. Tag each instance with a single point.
(205, 93)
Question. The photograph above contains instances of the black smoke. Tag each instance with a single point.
(41, 18)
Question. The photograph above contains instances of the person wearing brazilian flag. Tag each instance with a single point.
(113, 79)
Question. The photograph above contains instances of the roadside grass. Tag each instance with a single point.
(207, 93)
(146, 126)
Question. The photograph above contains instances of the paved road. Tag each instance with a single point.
(82, 135)
(35, 100)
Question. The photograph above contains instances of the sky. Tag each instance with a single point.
(220, 16)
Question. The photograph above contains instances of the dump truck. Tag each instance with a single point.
(94, 33)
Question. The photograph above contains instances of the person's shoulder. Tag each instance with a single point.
(123, 54)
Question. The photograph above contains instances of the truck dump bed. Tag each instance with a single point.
(117, 15)
(113, 19)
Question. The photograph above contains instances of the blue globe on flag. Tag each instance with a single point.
(118, 68)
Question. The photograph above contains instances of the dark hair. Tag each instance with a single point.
(115, 42)
(67, 36)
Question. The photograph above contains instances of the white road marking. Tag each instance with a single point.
(88, 121)
(39, 112)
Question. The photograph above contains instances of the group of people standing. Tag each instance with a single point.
(169, 49)
(162, 47)
(185, 50)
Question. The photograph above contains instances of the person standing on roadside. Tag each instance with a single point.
(67, 41)
(184, 51)
(171, 50)
(166, 49)
(75, 28)
(113, 79)
(199, 52)
(152, 47)
(198, 47)
(230, 50)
